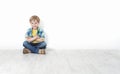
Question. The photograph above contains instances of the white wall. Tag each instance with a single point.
(74, 24)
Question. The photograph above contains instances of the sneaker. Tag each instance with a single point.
(26, 51)
(42, 51)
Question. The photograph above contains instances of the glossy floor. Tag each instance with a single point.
(60, 62)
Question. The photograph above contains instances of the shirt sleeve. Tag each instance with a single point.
(27, 33)
(42, 34)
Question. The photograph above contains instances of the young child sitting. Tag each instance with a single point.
(35, 37)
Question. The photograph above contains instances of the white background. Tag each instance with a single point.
(69, 24)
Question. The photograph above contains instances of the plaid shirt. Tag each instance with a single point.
(40, 33)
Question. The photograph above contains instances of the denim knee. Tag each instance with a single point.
(43, 45)
(25, 43)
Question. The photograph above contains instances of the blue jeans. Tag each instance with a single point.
(34, 47)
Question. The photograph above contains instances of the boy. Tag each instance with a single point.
(35, 38)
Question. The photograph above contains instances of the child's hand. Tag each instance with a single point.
(36, 37)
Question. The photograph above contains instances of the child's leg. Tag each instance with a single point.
(42, 47)
(32, 48)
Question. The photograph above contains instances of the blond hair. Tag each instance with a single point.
(33, 18)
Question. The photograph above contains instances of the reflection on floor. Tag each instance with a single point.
(60, 62)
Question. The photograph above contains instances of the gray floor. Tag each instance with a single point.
(61, 62)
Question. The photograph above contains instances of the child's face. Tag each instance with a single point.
(34, 24)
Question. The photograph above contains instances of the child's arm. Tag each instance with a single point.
(40, 39)
(30, 39)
